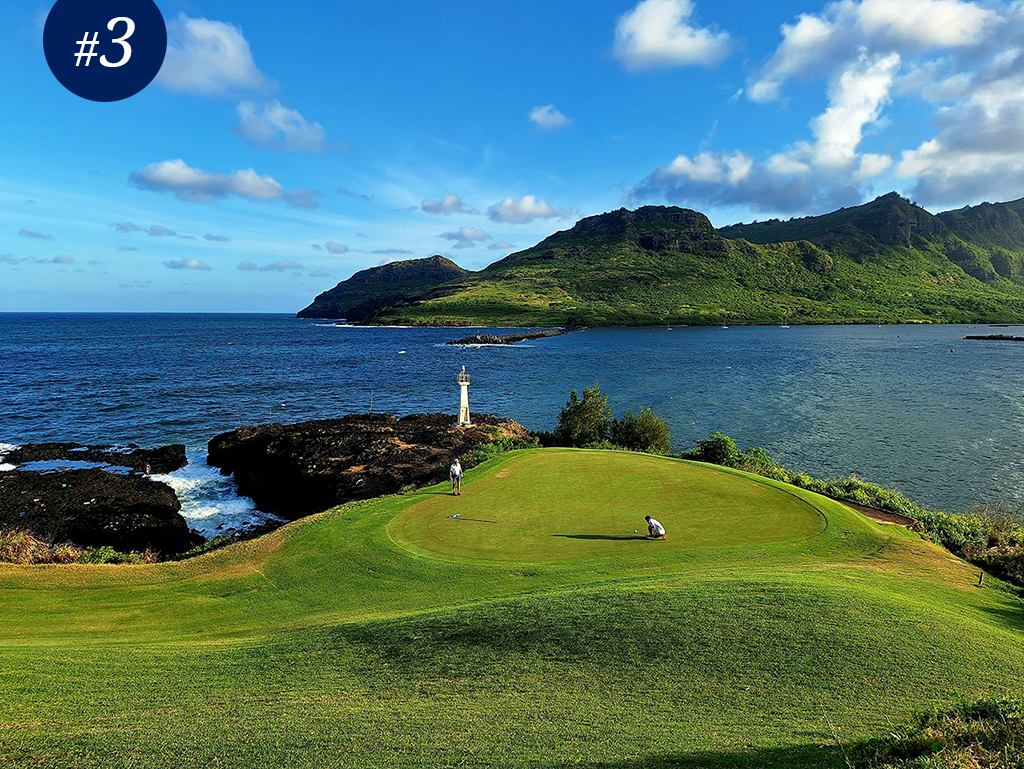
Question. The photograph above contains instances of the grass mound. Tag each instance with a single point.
(336, 641)
(561, 505)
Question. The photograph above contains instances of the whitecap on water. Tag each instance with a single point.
(5, 449)
(209, 501)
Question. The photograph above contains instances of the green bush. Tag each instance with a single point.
(107, 554)
(643, 432)
(585, 420)
(497, 447)
(1008, 567)
(986, 733)
(718, 449)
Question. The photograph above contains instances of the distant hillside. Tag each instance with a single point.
(370, 290)
(886, 261)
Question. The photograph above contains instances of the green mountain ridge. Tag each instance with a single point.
(373, 289)
(885, 261)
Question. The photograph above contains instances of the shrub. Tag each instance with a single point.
(485, 451)
(1007, 566)
(643, 432)
(23, 548)
(986, 733)
(585, 420)
(718, 449)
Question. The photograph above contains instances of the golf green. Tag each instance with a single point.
(551, 505)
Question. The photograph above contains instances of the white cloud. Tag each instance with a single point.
(63, 259)
(284, 265)
(978, 153)
(336, 248)
(209, 58)
(526, 209)
(281, 266)
(926, 23)
(161, 232)
(391, 252)
(871, 165)
(548, 118)
(657, 33)
(196, 186)
(216, 238)
(466, 237)
(273, 126)
(818, 43)
(187, 264)
(445, 205)
(826, 173)
(502, 246)
(962, 60)
(855, 100)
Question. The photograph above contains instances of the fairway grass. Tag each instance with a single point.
(371, 636)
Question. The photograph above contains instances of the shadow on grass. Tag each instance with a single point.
(600, 536)
(1012, 618)
(795, 757)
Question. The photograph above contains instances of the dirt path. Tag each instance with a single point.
(883, 516)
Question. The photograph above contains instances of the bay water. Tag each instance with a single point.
(915, 407)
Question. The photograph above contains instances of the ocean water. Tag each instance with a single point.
(914, 407)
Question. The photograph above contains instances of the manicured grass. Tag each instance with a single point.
(344, 640)
(592, 504)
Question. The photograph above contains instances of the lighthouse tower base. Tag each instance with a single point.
(464, 408)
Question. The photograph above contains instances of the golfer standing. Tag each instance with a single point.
(455, 474)
(654, 528)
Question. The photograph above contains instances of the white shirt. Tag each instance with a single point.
(456, 469)
(658, 528)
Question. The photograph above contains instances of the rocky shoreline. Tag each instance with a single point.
(512, 338)
(295, 470)
(102, 496)
(110, 504)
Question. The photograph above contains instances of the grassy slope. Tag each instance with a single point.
(598, 273)
(327, 643)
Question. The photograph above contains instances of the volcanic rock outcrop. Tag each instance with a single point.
(164, 459)
(295, 470)
(93, 508)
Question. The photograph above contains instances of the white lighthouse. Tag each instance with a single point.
(463, 380)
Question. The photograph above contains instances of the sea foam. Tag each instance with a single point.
(210, 501)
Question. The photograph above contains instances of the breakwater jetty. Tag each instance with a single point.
(512, 338)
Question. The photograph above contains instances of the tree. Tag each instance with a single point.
(585, 420)
(643, 432)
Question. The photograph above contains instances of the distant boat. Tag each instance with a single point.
(724, 326)
(783, 323)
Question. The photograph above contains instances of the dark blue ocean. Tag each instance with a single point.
(892, 404)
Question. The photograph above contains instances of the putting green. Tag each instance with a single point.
(564, 505)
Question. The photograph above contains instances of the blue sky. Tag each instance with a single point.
(286, 145)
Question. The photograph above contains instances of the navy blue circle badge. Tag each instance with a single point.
(105, 50)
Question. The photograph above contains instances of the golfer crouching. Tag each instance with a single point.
(654, 528)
